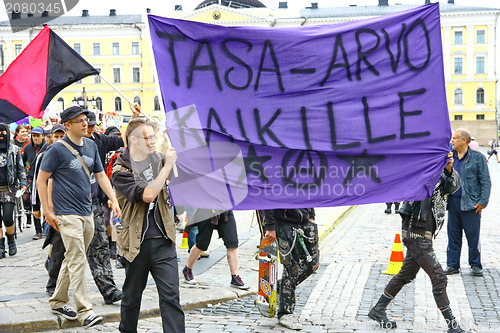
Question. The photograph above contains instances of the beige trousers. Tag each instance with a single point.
(76, 233)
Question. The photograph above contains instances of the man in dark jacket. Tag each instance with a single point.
(98, 253)
(297, 236)
(146, 231)
(12, 175)
(465, 205)
(36, 146)
(421, 220)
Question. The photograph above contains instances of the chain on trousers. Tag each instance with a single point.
(296, 267)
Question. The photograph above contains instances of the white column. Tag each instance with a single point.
(491, 51)
(447, 53)
(470, 67)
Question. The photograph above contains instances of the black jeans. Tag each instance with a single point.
(420, 254)
(56, 259)
(158, 256)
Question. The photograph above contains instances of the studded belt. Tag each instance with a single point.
(414, 235)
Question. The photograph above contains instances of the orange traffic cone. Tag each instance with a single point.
(397, 257)
(184, 243)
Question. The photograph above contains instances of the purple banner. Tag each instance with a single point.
(329, 115)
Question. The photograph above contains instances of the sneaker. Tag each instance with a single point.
(188, 275)
(452, 270)
(237, 282)
(66, 312)
(117, 296)
(290, 321)
(38, 236)
(204, 254)
(476, 271)
(92, 320)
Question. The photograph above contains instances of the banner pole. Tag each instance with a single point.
(174, 168)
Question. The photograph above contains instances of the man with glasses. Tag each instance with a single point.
(146, 232)
(70, 162)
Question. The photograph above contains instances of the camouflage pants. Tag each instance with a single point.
(98, 257)
(293, 258)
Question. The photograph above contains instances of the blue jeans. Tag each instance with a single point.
(468, 221)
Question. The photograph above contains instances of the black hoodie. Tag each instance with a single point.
(4, 139)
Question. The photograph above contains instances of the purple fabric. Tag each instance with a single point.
(328, 115)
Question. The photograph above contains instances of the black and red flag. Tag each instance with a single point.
(45, 67)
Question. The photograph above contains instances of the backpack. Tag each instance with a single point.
(110, 162)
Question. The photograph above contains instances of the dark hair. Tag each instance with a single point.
(20, 127)
(136, 123)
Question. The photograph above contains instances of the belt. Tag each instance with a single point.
(414, 235)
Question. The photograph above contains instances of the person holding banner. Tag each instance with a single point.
(146, 231)
(297, 236)
(465, 205)
(421, 221)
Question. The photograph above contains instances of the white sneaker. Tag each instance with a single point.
(290, 321)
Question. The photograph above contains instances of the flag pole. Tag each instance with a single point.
(174, 168)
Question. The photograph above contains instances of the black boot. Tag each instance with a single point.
(378, 314)
(453, 326)
(12, 244)
(396, 207)
(388, 209)
(2, 247)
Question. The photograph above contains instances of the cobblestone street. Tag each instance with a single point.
(349, 281)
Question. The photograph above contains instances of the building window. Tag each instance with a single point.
(156, 103)
(479, 116)
(136, 75)
(137, 100)
(458, 96)
(97, 49)
(480, 65)
(458, 117)
(480, 96)
(459, 37)
(61, 100)
(458, 66)
(480, 37)
(98, 103)
(18, 48)
(116, 48)
(118, 104)
(135, 48)
(97, 78)
(116, 75)
(78, 48)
